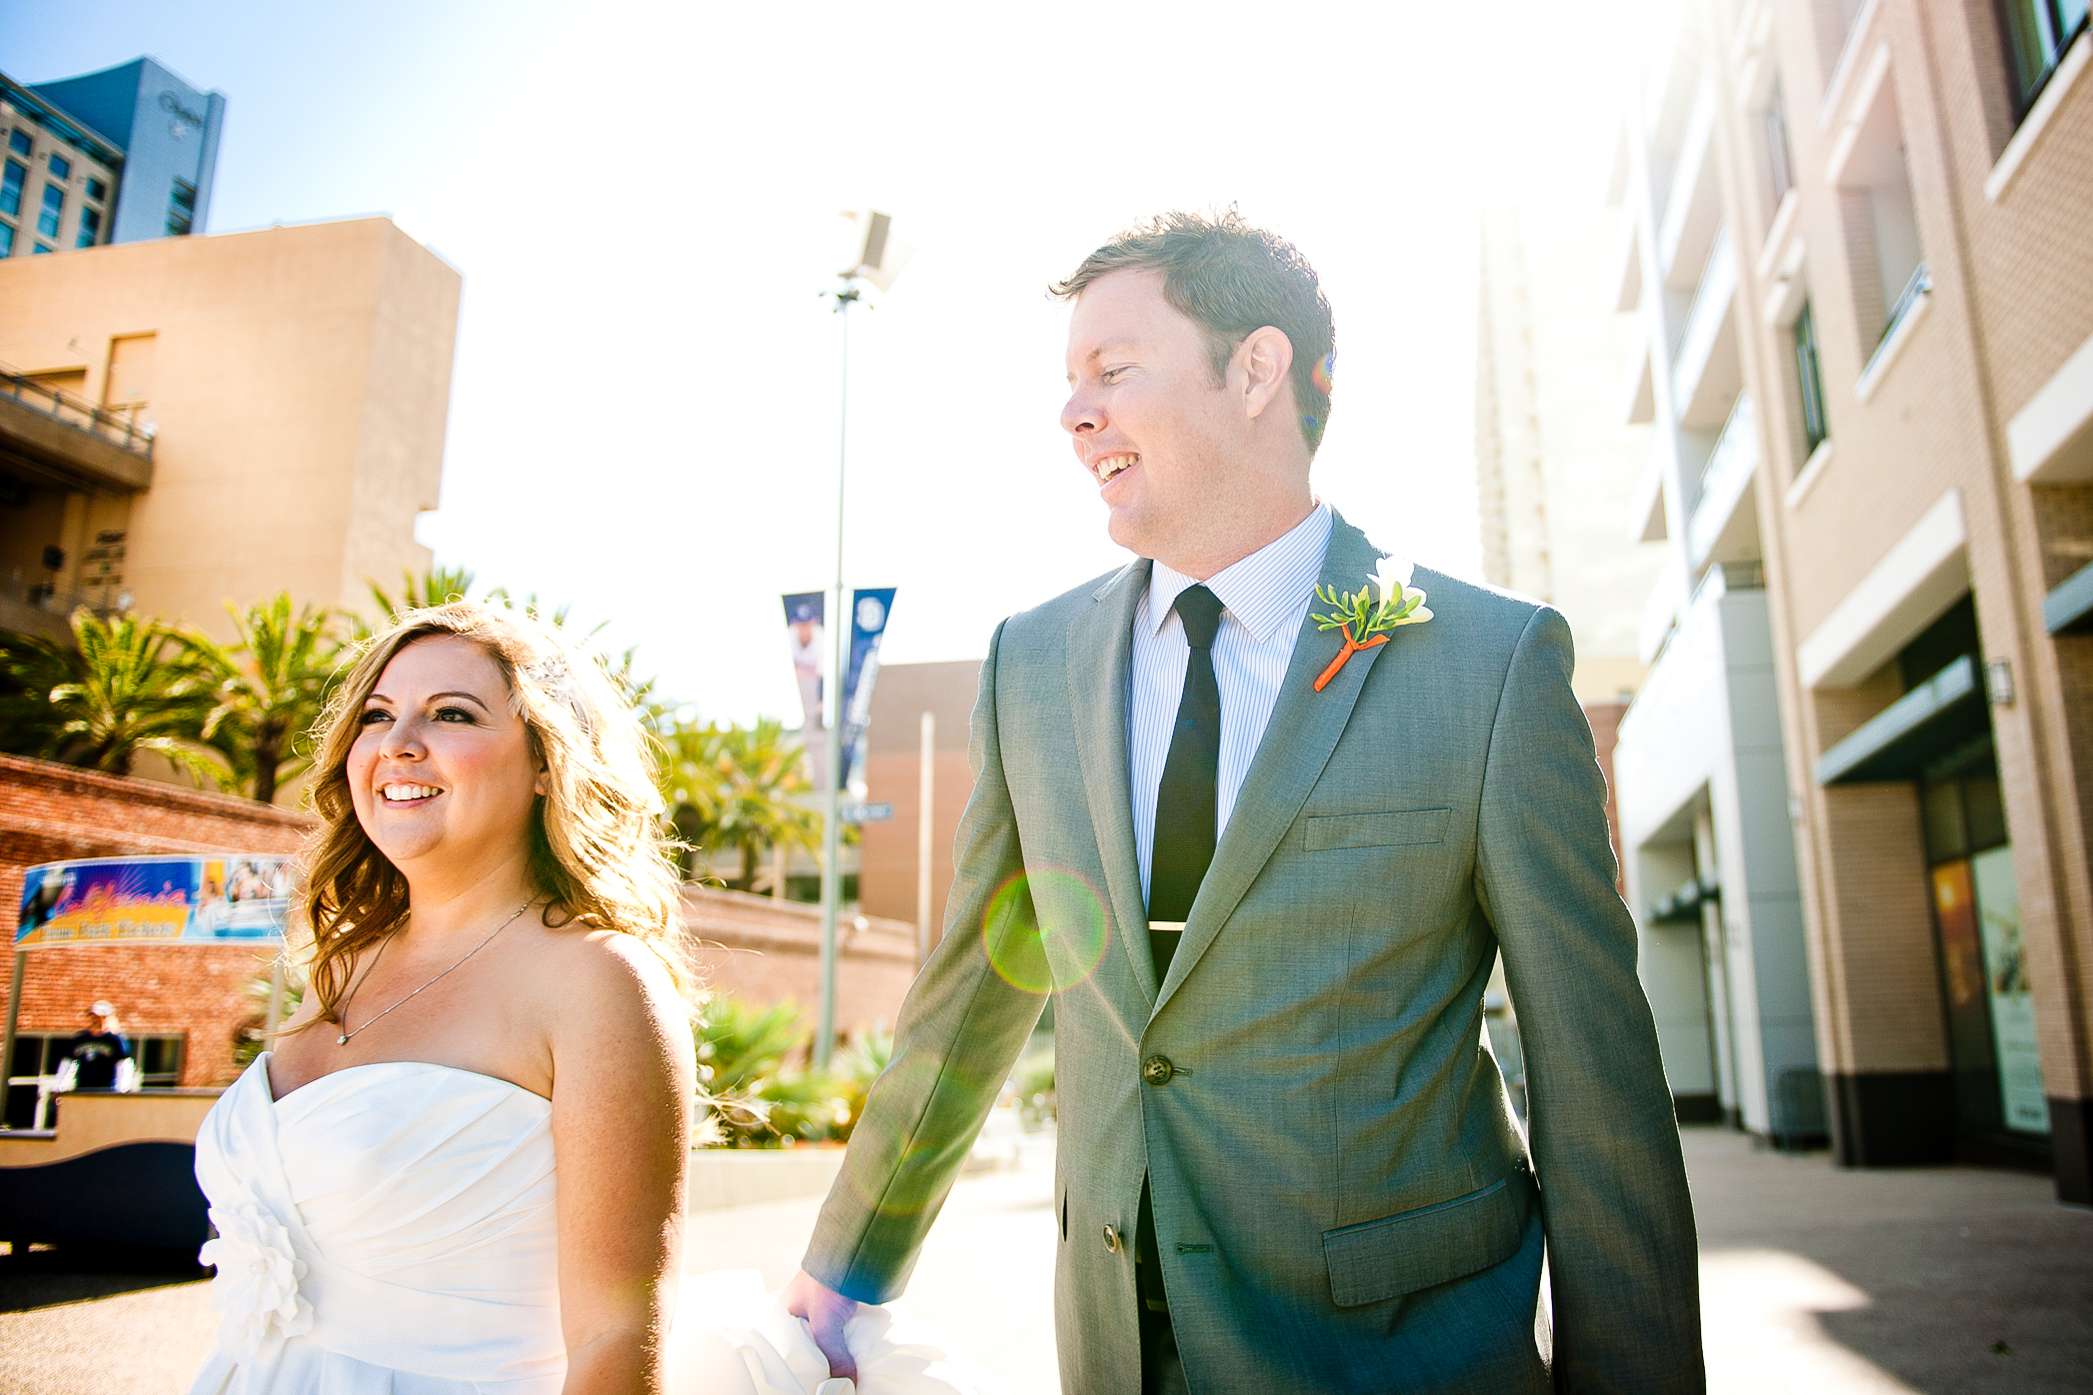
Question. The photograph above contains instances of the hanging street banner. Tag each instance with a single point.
(868, 622)
(227, 898)
(803, 628)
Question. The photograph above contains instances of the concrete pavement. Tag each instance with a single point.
(1812, 1279)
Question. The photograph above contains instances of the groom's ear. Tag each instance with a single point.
(1263, 359)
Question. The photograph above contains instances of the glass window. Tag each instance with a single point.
(1947, 834)
(1987, 810)
(90, 227)
(61, 168)
(41, 249)
(97, 190)
(11, 187)
(18, 141)
(53, 210)
(7, 239)
(2037, 33)
(1809, 380)
(181, 209)
(1778, 158)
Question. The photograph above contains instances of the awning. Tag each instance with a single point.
(1901, 742)
(2068, 610)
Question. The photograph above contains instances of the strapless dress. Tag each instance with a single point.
(390, 1229)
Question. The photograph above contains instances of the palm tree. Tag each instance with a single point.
(738, 787)
(124, 685)
(435, 586)
(268, 689)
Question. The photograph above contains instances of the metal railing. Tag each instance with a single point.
(1920, 283)
(117, 428)
(1718, 281)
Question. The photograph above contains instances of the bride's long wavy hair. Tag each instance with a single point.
(600, 852)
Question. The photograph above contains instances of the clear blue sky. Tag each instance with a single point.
(642, 201)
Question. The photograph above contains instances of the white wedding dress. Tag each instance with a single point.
(389, 1229)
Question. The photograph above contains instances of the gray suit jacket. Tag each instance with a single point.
(1342, 1197)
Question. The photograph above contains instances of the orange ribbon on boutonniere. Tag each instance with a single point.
(1365, 621)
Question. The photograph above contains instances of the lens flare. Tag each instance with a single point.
(1324, 372)
(1045, 931)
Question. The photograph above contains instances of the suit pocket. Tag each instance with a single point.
(1396, 829)
(1434, 1244)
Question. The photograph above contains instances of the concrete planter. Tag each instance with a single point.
(723, 1177)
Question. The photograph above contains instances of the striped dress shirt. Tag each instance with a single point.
(1264, 600)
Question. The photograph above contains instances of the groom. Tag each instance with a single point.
(1264, 866)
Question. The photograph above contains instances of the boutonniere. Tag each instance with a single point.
(1367, 622)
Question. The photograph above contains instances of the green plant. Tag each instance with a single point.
(742, 788)
(757, 1093)
(124, 686)
(268, 688)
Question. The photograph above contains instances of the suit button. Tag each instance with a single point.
(1111, 1241)
(1157, 1070)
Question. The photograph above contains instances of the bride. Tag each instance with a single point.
(461, 1167)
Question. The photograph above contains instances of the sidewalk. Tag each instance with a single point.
(1931, 1279)
(1812, 1279)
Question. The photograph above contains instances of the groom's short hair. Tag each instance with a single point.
(1231, 279)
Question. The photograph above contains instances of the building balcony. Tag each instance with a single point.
(55, 438)
(1706, 373)
(1721, 528)
(1693, 214)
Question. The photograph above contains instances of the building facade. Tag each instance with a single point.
(203, 420)
(906, 866)
(1899, 193)
(127, 154)
(1700, 768)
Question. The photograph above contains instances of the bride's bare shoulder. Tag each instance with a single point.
(609, 991)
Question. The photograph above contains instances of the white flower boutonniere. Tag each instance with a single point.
(1367, 622)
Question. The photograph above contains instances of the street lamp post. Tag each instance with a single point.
(878, 261)
(846, 296)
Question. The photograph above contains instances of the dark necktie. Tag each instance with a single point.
(1187, 798)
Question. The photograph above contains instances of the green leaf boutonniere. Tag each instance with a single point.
(1367, 622)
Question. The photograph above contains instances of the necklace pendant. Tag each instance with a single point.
(342, 1040)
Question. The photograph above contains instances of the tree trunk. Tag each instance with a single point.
(265, 763)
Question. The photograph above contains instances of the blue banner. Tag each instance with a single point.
(803, 628)
(869, 609)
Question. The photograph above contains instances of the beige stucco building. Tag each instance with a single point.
(1901, 194)
(194, 421)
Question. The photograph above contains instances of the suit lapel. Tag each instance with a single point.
(1290, 757)
(1100, 640)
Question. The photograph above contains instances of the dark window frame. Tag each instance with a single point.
(1809, 380)
(2053, 42)
(51, 213)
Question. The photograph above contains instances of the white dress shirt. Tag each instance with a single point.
(1264, 600)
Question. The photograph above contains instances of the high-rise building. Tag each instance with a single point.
(1886, 203)
(1555, 464)
(123, 155)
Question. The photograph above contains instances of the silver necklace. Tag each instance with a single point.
(342, 1018)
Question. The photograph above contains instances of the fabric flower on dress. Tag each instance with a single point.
(256, 1288)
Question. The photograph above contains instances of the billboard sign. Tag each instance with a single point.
(211, 898)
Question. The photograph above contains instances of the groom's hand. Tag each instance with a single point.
(826, 1311)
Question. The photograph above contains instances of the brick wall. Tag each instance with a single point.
(764, 950)
(52, 813)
